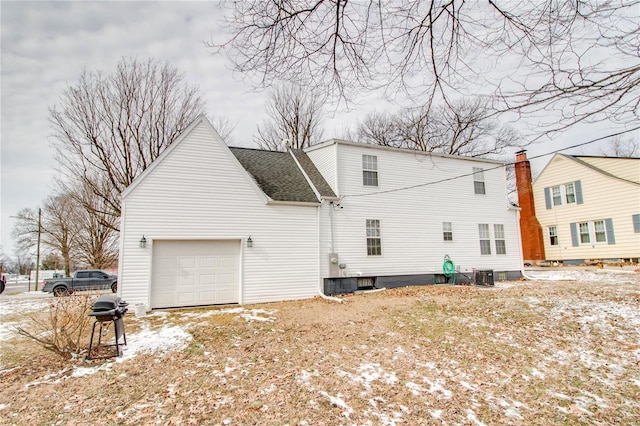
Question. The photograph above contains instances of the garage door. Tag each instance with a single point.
(192, 273)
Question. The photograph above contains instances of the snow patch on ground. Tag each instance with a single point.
(173, 338)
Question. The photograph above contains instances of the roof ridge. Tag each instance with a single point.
(599, 170)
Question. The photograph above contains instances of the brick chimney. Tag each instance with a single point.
(530, 229)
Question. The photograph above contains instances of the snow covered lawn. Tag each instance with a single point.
(563, 350)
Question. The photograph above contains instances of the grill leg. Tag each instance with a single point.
(93, 331)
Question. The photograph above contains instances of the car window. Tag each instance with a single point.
(97, 274)
(82, 275)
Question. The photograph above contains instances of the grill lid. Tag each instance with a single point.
(106, 303)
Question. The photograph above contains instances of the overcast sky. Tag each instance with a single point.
(46, 45)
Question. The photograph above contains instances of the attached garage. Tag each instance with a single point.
(194, 272)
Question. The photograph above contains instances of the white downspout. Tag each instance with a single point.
(524, 275)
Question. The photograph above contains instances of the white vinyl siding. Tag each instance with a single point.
(324, 157)
(180, 199)
(411, 220)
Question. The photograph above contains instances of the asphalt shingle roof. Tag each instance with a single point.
(278, 175)
(314, 174)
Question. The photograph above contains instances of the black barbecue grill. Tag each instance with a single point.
(107, 310)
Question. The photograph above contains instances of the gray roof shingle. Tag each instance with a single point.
(278, 175)
(314, 174)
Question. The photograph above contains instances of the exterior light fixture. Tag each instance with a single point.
(143, 242)
(249, 242)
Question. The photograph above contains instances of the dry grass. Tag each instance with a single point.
(535, 353)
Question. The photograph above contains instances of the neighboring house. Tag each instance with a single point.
(208, 224)
(589, 208)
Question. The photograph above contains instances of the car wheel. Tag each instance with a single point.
(60, 291)
(114, 287)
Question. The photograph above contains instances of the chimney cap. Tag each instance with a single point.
(521, 151)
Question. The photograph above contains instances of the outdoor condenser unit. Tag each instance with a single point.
(483, 277)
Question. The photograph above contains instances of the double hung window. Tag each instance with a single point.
(370, 170)
(374, 240)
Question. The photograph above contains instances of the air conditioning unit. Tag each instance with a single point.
(483, 277)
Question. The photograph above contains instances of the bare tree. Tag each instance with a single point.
(622, 147)
(579, 58)
(96, 243)
(462, 128)
(58, 227)
(224, 127)
(379, 128)
(109, 128)
(294, 114)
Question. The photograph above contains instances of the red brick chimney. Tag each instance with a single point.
(530, 229)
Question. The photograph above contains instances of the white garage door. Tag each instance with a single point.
(191, 273)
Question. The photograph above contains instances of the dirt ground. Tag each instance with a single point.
(520, 353)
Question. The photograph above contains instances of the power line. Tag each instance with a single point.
(491, 168)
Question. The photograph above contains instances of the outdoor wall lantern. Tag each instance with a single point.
(249, 242)
(143, 242)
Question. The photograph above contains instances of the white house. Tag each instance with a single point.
(589, 208)
(208, 224)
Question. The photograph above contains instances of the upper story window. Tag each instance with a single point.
(374, 240)
(478, 181)
(570, 193)
(559, 195)
(556, 191)
(553, 235)
(447, 231)
(370, 170)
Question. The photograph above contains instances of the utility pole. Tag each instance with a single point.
(38, 254)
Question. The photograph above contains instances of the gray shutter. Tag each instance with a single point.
(636, 222)
(578, 188)
(547, 197)
(574, 234)
(608, 226)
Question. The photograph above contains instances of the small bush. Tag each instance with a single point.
(63, 328)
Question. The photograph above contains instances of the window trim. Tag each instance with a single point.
(373, 238)
(553, 234)
(596, 235)
(559, 195)
(499, 235)
(635, 220)
(478, 178)
(446, 231)
(485, 249)
(368, 172)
